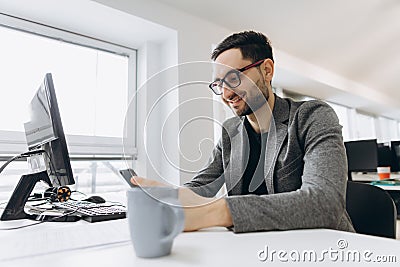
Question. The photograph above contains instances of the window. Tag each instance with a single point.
(92, 87)
(393, 130)
(365, 126)
(398, 130)
(93, 81)
(387, 129)
(356, 125)
(342, 113)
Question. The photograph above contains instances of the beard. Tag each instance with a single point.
(256, 101)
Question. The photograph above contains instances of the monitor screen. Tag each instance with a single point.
(384, 155)
(395, 148)
(362, 155)
(45, 131)
(39, 129)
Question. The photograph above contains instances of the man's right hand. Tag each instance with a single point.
(144, 182)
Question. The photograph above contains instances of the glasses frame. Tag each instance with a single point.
(237, 71)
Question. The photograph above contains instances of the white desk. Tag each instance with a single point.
(212, 247)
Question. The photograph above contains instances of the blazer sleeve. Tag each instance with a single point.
(320, 201)
(209, 179)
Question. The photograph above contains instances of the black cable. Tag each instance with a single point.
(115, 203)
(36, 207)
(36, 223)
(102, 206)
(30, 153)
(107, 204)
(38, 199)
(39, 204)
(75, 191)
(22, 155)
(9, 161)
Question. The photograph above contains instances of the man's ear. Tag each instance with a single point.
(267, 68)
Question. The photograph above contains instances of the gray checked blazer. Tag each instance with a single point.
(305, 171)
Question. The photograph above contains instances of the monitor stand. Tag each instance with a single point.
(15, 207)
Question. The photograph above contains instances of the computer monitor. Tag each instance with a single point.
(45, 132)
(44, 136)
(362, 155)
(395, 148)
(384, 155)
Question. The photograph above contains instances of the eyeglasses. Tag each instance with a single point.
(231, 79)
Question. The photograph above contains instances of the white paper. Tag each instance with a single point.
(51, 237)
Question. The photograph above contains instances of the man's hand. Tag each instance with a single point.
(200, 212)
(140, 181)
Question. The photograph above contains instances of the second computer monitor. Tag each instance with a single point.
(362, 155)
(384, 155)
(395, 149)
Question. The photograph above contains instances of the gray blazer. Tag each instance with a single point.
(305, 171)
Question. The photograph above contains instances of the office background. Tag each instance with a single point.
(342, 52)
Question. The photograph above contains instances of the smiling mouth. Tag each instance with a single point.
(235, 100)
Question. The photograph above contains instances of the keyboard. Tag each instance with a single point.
(93, 212)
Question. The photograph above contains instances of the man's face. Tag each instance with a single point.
(252, 93)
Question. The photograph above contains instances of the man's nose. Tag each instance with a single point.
(227, 93)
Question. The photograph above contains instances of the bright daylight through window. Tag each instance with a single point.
(92, 86)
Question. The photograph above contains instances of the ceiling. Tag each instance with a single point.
(358, 40)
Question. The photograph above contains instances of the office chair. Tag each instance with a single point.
(371, 210)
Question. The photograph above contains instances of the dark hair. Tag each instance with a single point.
(253, 45)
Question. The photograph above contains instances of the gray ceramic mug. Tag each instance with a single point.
(155, 218)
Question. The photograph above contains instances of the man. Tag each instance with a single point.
(285, 171)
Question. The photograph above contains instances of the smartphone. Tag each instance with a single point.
(127, 174)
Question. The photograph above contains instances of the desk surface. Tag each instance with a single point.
(108, 244)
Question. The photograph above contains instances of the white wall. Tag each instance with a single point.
(195, 39)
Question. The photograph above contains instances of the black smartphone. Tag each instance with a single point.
(127, 174)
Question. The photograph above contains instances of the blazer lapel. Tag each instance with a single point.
(238, 160)
(276, 137)
(274, 144)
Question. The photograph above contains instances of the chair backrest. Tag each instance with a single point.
(371, 210)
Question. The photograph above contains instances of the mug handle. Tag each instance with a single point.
(179, 225)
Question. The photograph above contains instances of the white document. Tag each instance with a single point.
(51, 237)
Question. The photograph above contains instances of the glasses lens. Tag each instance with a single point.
(216, 86)
(232, 79)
